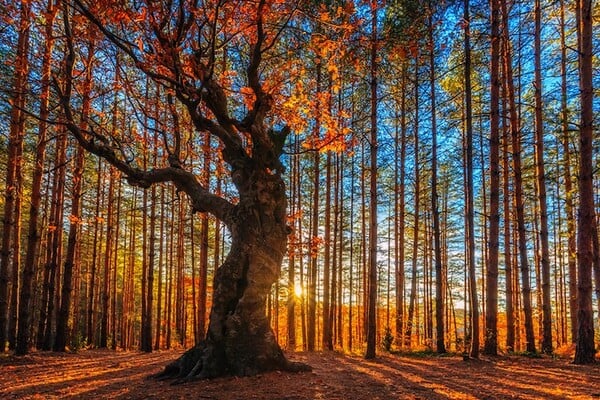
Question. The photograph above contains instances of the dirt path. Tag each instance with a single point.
(101, 374)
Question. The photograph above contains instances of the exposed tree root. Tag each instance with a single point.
(204, 361)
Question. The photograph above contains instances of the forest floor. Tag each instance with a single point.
(102, 374)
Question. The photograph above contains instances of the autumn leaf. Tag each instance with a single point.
(248, 96)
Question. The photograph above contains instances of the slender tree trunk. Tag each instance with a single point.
(469, 186)
(428, 281)
(417, 199)
(203, 274)
(541, 187)
(16, 248)
(170, 260)
(91, 302)
(491, 316)
(440, 279)
(400, 212)
(114, 262)
(596, 263)
(34, 234)
(107, 259)
(54, 248)
(159, 322)
(585, 349)
(372, 303)
(516, 285)
(518, 189)
(179, 277)
(147, 346)
(334, 260)
(301, 273)
(15, 148)
(568, 179)
(144, 278)
(313, 265)
(508, 257)
(147, 249)
(327, 336)
(339, 212)
(197, 337)
(351, 256)
(292, 250)
(62, 329)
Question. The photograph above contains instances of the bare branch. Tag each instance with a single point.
(175, 156)
(202, 200)
(262, 103)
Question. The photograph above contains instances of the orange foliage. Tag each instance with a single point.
(248, 96)
(315, 244)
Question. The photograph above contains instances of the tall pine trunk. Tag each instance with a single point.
(15, 149)
(417, 199)
(440, 278)
(568, 179)
(518, 186)
(585, 349)
(400, 211)
(541, 186)
(491, 316)
(372, 285)
(34, 234)
(469, 206)
(62, 331)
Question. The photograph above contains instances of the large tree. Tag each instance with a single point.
(178, 45)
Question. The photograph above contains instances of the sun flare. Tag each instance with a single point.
(298, 290)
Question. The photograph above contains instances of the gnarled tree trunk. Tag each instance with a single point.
(240, 340)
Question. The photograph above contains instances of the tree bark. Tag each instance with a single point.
(469, 211)
(327, 334)
(568, 178)
(54, 248)
(240, 340)
(34, 234)
(440, 278)
(400, 211)
(203, 274)
(508, 257)
(62, 331)
(541, 187)
(159, 288)
(314, 247)
(372, 286)
(518, 186)
(491, 316)
(417, 199)
(585, 349)
(15, 149)
(107, 260)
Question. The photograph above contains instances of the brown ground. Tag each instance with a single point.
(97, 374)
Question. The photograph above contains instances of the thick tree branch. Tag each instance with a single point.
(262, 103)
(209, 92)
(202, 200)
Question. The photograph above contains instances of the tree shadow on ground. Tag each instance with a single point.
(101, 374)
